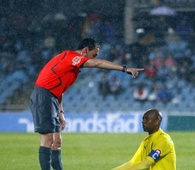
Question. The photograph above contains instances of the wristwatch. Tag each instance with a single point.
(61, 111)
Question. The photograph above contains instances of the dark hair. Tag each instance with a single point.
(88, 42)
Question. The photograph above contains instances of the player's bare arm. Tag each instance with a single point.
(105, 64)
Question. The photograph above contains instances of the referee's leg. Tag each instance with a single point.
(45, 151)
(56, 160)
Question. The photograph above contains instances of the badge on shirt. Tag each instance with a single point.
(155, 154)
(76, 60)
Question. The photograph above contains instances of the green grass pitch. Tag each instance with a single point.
(88, 151)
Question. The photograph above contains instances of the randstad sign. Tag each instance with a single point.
(86, 123)
(101, 123)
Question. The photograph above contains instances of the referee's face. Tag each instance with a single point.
(93, 53)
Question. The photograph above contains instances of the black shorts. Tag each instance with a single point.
(45, 108)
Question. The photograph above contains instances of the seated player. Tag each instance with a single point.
(156, 151)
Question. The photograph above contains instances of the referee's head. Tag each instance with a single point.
(88, 42)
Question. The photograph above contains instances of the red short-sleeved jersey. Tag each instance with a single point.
(60, 72)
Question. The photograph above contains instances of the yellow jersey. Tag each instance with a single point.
(159, 149)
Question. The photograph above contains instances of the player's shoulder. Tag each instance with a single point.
(162, 133)
(163, 136)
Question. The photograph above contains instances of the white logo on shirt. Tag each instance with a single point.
(76, 60)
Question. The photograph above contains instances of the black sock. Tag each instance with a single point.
(56, 160)
(45, 158)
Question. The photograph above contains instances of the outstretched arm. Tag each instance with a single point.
(124, 166)
(105, 64)
(143, 165)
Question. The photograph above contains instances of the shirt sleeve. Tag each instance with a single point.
(135, 159)
(161, 147)
(137, 156)
(124, 166)
(143, 165)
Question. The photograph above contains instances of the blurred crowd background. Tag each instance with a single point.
(32, 32)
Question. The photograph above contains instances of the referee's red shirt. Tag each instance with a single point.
(60, 72)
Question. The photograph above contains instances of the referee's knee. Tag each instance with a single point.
(47, 140)
(57, 144)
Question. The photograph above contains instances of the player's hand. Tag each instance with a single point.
(62, 121)
(134, 71)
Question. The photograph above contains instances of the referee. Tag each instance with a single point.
(46, 99)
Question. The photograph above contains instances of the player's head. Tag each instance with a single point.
(151, 120)
(89, 47)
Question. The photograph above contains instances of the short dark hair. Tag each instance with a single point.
(88, 42)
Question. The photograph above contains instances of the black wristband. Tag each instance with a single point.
(61, 111)
(124, 68)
